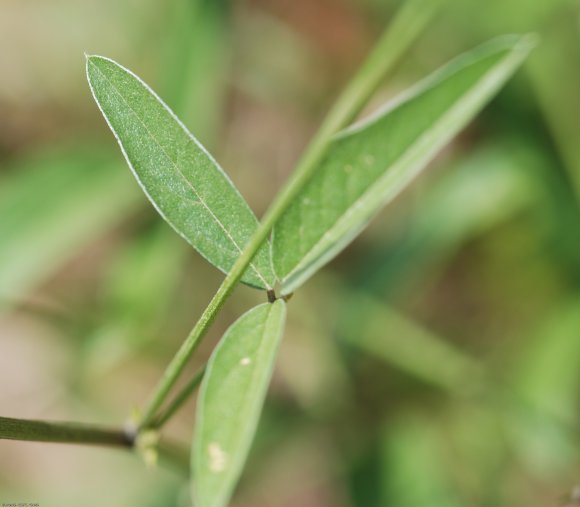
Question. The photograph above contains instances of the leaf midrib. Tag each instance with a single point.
(177, 168)
(263, 327)
(254, 374)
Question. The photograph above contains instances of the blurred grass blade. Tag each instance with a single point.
(547, 377)
(371, 162)
(379, 330)
(195, 63)
(53, 205)
(542, 415)
(184, 183)
(137, 299)
(415, 466)
(558, 98)
(476, 195)
(230, 402)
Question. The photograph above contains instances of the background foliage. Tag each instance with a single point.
(436, 362)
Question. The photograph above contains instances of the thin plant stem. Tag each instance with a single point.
(397, 38)
(66, 433)
(181, 397)
(85, 434)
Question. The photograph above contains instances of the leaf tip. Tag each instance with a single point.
(521, 43)
(89, 58)
(528, 41)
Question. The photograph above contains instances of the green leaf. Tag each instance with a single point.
(372, 161)
(182, 180)
(230, 401)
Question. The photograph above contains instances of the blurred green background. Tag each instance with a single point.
(435, 363)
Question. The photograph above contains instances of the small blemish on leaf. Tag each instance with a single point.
(245, 361)
(217, 457)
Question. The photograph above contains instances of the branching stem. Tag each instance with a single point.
(405, 28)
(181, 397)
(66, 433)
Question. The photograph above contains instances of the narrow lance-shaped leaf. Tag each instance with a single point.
(182, 180)
(371, 162)
(230, 402)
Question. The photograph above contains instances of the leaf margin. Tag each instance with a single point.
(198, 456)
(270, 279)
(517, 48)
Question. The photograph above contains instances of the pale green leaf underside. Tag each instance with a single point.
(370, 163)
(184, 183)
(230, 402)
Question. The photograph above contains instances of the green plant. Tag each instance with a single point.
(345, 177)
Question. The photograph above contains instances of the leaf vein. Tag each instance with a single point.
(180, 172)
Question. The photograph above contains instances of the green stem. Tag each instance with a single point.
(179, 400)
(404, 29)
(66, 433)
